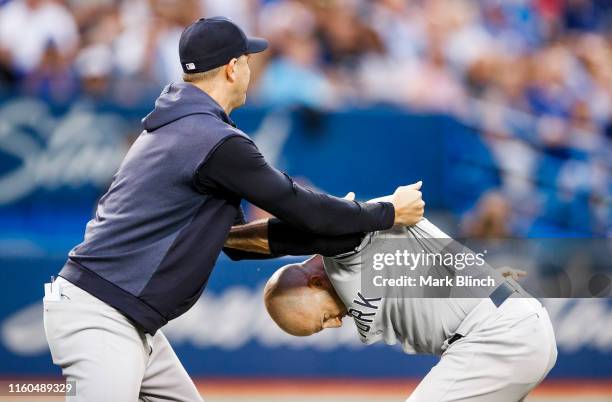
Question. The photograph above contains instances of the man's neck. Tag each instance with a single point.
(219, 95)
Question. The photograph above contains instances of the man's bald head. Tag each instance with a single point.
(301, 300)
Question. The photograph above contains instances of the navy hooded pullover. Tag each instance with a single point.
(158, 230)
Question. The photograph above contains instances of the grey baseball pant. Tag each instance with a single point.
(506, 353)
(107, 356)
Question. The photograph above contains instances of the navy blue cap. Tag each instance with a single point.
(212, 42)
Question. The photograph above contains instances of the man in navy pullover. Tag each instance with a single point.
(157, 232)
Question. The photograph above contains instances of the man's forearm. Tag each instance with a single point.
(251, 237)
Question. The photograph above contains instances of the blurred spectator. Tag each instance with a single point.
(400, 25)
(580, 15)
(431, 85)
(52, 80)
(242, 12)
(490, 219)
(170, 17)
(294, 77)
(28, 27)
(95, 67)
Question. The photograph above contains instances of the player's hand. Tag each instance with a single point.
(513, 273)
(409, 205)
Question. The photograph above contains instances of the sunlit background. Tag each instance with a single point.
(502, 108)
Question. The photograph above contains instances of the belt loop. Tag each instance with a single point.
(450, 341)
(454, 339)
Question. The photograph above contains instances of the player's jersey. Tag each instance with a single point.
(420, 325)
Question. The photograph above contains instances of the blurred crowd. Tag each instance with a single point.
(535, 76)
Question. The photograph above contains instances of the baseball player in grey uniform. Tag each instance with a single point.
(493, 349)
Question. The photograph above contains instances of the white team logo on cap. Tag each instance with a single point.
(190, 66)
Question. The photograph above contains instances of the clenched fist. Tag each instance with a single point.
(409, 204)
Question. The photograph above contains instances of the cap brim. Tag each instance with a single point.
(256, 45)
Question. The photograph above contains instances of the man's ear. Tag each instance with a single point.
(230, 70)
(319, 282)
(335, 322)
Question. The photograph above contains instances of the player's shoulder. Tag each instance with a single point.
(207, 126)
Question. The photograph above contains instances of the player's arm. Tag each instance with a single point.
(273, 238)
(248, 241)
(237, 167)
(250, 237)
